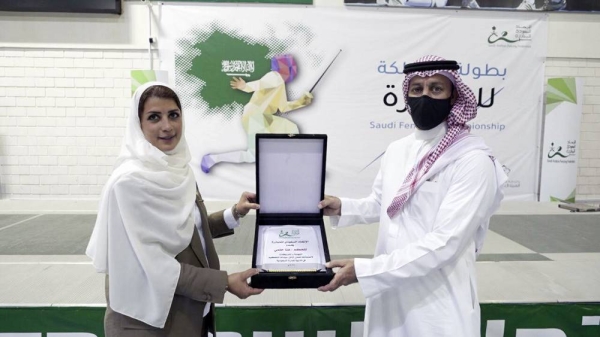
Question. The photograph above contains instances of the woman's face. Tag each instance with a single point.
(161, 123)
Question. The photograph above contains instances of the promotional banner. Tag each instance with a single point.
(243, 71)
(141, 76)
(564, 105)
(518, 5)
(497, 320)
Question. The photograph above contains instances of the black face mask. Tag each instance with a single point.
(427, 112)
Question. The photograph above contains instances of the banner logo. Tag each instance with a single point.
(519, 37)
(510, 183)
(558, 154)
(570, 151)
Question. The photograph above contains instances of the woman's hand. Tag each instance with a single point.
(237, 284)
(246, 203)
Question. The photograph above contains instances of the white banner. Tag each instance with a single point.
(564, 105)
(358, 101)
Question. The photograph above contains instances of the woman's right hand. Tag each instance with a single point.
(331, 205)
(237, 284)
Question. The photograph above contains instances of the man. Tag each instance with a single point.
(433, 197)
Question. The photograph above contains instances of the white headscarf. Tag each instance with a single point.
(144, 219)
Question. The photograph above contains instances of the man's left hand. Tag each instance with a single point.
(344, 276)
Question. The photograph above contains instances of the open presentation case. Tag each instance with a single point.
(290, 246)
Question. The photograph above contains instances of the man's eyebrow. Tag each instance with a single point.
(437, 82)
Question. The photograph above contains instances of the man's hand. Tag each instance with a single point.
(344, 276)
(237, 284)
(237, 83)
(331, 205)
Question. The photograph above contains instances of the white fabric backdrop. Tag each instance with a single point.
(503, 51)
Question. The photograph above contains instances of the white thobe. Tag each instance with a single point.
(422, 281)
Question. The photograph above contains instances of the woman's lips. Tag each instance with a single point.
(167, 139)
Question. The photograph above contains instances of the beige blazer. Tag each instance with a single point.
(200, 281)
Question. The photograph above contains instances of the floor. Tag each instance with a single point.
(534, 252)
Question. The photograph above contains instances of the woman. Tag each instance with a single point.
(153, 237)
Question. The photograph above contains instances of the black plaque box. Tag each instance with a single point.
(290, 182)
